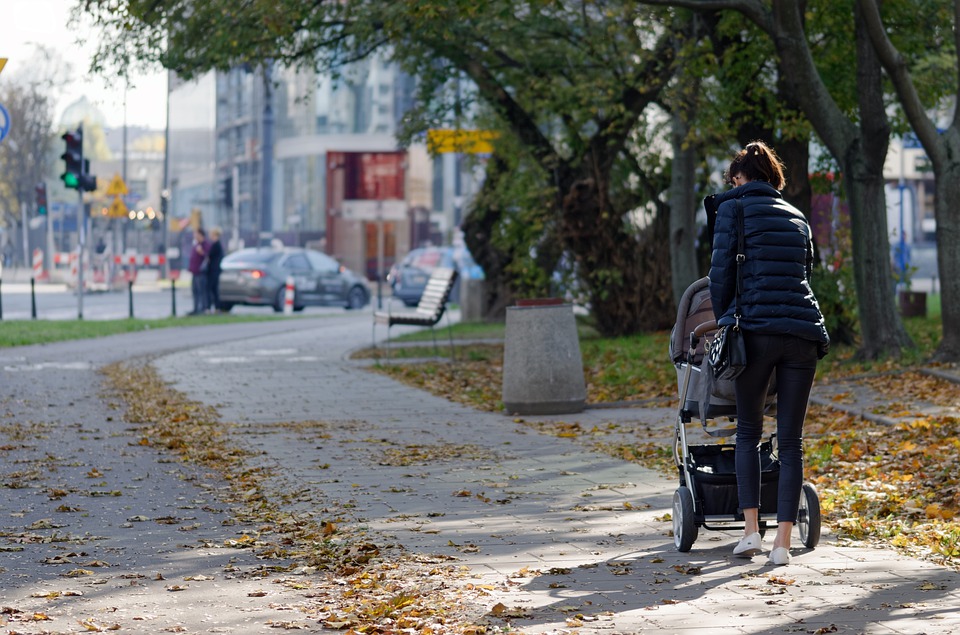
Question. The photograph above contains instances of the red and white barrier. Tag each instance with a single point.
(142, 260)
(288, 297)
(38, 271)
(74, 259)
(64, 258)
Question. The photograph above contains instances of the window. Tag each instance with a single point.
(297, 262)
(322, 262)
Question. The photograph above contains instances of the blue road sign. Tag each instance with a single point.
(911, 141)
(4, 123)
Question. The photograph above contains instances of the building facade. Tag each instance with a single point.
(274, 154)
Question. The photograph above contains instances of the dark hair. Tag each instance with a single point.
(758, 162)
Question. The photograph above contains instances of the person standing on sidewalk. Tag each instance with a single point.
(215, 256)
(198, 270)
(783, 330)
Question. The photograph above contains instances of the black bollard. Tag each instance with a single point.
(33, 299)
(130, 296)
(1, 298)
(173, 296)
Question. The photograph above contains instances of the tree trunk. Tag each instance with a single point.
(881, 328)
(683, 210)
(796, 158)
(948, 254)
(944, 152)
(860, 150)
(628, 287)
(478, 227)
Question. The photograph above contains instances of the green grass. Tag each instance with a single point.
(626, 367)
(26, 332)
(638, 365)
(933, 305)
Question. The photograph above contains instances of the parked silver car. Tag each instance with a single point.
(259, 277)
(408, 277)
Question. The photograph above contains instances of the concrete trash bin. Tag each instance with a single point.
(542, 365)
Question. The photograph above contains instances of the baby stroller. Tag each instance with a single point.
(707, 496)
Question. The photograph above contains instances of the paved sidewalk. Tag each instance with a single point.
(567, 540)
(99, 532)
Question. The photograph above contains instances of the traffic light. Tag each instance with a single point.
(73, 158)
(41, 199)
(225, 193)
(88, 182)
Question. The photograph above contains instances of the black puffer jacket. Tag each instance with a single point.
(776, 298)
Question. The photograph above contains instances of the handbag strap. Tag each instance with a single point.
(741, 257)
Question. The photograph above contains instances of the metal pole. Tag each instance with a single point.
(266, 155)
(235, 204)
(27, 261)
(902, 255)
(130, 296)
(164, 212)
(81, 236)
(81, 242)
(165, 192)
(48, 259)
(173, 296)
(379, 252)
(33, 299)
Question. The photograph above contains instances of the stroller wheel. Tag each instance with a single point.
(808, 519)
(684, 523)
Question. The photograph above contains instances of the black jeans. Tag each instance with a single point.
(213, 291)
(795, 361)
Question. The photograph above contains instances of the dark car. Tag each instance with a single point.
(408, 277)
(259, 277)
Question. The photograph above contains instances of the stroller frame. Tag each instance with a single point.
(707, 495)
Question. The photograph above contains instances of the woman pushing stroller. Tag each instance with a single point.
(783, 330)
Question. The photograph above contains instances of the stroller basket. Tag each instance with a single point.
(713, 472)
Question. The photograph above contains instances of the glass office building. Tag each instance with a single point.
(253, 150)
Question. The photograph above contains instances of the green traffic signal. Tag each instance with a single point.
(41, 191)
(73, 158)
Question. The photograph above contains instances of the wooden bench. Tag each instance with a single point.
(429, 311)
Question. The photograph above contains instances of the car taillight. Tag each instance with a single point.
(256, 274)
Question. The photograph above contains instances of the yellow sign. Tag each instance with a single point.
(468, 141)
(118, 209)
(3, 62)
(117, 187)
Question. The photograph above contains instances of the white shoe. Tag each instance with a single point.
(780, 556)
(748, 546)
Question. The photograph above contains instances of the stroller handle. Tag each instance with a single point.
(706, 327)
(699, 332)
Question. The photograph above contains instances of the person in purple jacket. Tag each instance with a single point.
(783, 330)
(199, 262)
